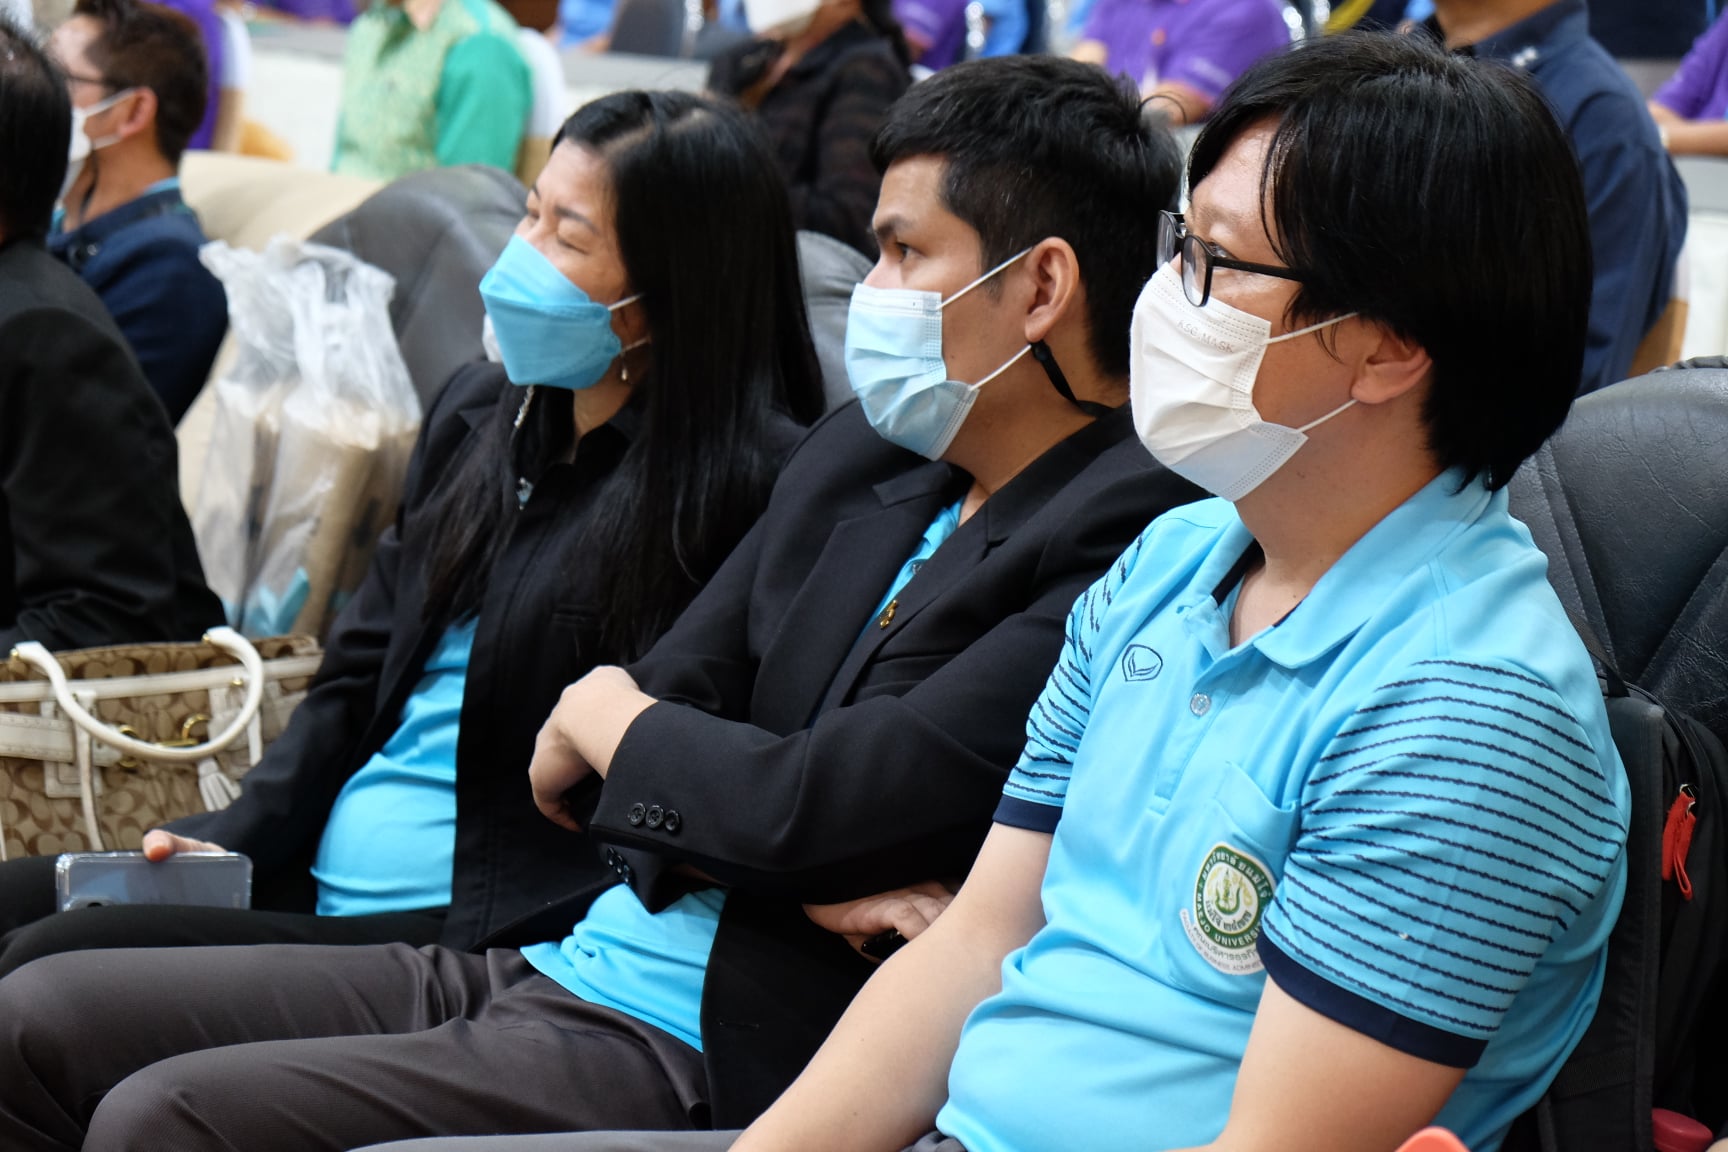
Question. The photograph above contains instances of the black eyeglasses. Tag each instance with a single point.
(1200, 258)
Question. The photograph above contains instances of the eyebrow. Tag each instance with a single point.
(564, 213)
(888, 228)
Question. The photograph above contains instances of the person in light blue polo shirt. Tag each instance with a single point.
(1319, 832)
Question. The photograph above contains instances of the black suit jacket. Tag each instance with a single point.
(538, 631)
(804, 750)
(95, 547)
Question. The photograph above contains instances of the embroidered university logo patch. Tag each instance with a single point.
(1231, 895)
(1141, 663)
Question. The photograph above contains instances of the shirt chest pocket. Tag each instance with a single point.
(1220, 851)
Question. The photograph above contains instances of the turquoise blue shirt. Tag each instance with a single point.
(390, 843)
(651, 965)
(1402, 803)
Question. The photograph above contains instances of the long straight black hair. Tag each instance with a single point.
(705, 232)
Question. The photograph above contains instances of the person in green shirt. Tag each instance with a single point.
(431, 83)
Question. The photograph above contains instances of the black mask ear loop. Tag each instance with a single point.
(1041, 353)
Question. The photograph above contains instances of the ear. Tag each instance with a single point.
(1391, 366)
(140, 113)
(630, 323)
(1055, 274)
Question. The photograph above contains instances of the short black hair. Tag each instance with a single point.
(1438, 196)
(1040, 146)
(149, 46)
(35, 129)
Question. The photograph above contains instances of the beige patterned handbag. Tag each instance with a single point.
(100, 745)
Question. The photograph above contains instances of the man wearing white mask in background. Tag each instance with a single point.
(136, 73)
(820, 76)
(1319, 831)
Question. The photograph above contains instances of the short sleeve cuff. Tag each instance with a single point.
(1412, 1037)
(1018, 813)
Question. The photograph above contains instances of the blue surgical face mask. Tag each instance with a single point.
(894, 362)
(547, 330)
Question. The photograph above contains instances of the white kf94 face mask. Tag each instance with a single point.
(1191, 382)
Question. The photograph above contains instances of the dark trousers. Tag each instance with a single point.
(30, 928)
(616, 1142)
(309, 1048)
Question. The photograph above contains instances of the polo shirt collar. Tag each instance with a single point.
(1363, 579)
(160, 199)
(1538, 35)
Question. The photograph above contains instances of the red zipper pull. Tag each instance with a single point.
(1677, 839)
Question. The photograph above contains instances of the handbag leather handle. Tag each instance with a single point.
(226, 639)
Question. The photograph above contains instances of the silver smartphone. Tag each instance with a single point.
(208, 879)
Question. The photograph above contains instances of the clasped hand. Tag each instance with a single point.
(581, 736)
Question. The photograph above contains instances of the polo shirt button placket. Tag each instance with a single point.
(1200, 704)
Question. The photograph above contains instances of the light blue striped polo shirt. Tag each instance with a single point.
(1401, 802)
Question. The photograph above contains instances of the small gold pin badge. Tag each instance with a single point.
(887, 616)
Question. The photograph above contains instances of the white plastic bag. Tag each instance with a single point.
(314, 424)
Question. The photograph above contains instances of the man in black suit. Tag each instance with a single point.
(95, 547)
(833, 716)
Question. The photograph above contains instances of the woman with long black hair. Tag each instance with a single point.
(820, 75)
(562, 508)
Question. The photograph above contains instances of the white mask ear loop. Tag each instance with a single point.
(638, 296)
(1017, 256)
(1012, 360)
(1311, 328)
(1303, 332)
(1312, 424)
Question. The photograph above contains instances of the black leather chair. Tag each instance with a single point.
(437, 233)
(1630, 502)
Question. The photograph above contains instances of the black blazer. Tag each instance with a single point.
(538, 631)
(805, 751)
(95, 547)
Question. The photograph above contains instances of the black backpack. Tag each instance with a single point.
(1657, 1040)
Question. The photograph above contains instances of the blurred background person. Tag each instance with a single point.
(820, 75)
(1182, 53)
(95, 547)
(1689, 109)
(1636, 200)
(431, 83)
(137, 76)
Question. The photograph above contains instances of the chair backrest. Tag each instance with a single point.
(1630, 502)
(649, 27)
(831, 269)
(437, 233)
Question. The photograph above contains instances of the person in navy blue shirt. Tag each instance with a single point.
(1636, 199)
(137, 78)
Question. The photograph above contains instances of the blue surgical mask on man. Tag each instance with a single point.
(894, 362)
(547, 329)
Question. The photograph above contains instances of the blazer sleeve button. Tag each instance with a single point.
(656, 816)
(673, 821)
(635, 815)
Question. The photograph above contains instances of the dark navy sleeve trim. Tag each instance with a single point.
(1423, 1041)
(1018, 813)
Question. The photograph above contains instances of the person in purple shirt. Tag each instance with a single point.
(1184, 52)
(935, 30)
(1689, 110)
(203, 14)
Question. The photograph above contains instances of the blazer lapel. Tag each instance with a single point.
(824, 620)
(1001, 515)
